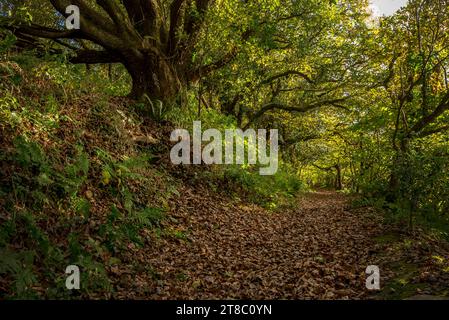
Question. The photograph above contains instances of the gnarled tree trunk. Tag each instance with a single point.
(154, 40)
(153, 77)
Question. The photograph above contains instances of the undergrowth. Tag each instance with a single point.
(74, 187)
(77, 186)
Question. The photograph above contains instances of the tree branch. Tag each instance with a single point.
(431, 132)
(44, 32)
(175, 13)
(440, 109)
(94, 25)
(115, 13)
(302, 109)
(286, 74)
(205, 70)
(94, 57)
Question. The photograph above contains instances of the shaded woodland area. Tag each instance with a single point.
(360, 104)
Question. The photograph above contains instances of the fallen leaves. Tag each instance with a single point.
(240, 251)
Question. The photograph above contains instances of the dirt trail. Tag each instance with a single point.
(320, 250)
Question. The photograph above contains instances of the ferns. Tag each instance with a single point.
(120, 229)
(149, 217)
(19, 266)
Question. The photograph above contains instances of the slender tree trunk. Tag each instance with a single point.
(339, 184)
(110, 75)
(395, 183)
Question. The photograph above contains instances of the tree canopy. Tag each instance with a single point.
(360, 103)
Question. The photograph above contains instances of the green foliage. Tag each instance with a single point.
(121, 229)
(48, 186)
(269, 191)
(40, 182)
(115, 172)
(36, 249)
(18, 265)
(153, 109)
(6, 42)
(423, 191)
(8, 106)
(41, 175)
(369, 99)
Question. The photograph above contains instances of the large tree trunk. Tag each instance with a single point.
(155, 40)
(155, 77)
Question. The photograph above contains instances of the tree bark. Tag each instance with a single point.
(394, 182)
(154, 40)
(339, 183)
(154, 77)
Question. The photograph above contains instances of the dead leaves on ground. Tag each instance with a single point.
(240, 251)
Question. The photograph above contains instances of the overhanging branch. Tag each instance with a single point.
(207, 69)
(286, 74)
(94, 57)
(301, 109)
(44, 32)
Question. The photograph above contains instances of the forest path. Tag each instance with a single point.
(225, 250)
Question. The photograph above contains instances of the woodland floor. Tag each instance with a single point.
(227, 249)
